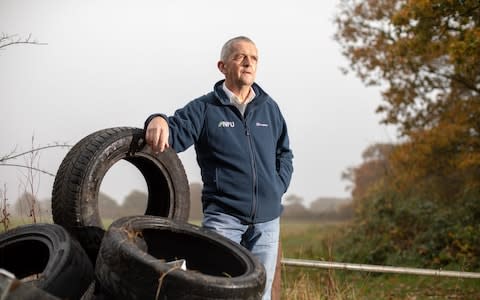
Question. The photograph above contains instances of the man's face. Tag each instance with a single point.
(241, 65)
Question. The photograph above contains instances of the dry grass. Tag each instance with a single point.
(316, 241)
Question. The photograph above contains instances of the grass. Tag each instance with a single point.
(316, 241)
(20, 220)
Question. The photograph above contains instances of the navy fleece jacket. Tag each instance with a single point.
(245, 161)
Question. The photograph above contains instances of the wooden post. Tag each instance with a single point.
(277, 279)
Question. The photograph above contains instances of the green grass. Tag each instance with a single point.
(20, 220)
(316, 241)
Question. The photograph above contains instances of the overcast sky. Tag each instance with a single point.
(112, 63)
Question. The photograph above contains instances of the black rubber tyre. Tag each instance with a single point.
(77, 182)
(132, 262)
(93, 293)
(22, 291)
(46, 250)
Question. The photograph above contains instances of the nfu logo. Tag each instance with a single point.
(226, 124)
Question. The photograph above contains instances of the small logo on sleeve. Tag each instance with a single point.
(226, 124)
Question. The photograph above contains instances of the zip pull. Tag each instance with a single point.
(247, 131)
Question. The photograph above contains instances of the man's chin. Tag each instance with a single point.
(248, 80)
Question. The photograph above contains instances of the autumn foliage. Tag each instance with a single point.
(419, 199)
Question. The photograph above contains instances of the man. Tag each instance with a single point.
(243, 151)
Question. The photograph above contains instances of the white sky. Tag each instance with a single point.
(111, 63)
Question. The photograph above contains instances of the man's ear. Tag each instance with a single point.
(221, 66)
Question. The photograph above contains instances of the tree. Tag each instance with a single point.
(425, 56)
(31, 166)
(327, 205)
(7, 40)
(374, 168)
(27, 205)
(294, 207)
(4, 206)
(135, 203)
(412, 209)
(424, 52)
(108, 207)
(293, 199)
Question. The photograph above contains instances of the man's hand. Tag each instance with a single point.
(157, 134)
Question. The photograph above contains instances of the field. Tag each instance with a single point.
(316, 241)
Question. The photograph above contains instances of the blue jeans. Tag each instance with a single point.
(261, 239)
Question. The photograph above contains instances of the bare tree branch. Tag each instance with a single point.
(12, 156)
(28, 167)
(6, 156)
(13, 39)
(32, 152)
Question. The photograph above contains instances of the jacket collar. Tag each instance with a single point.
(260, 95)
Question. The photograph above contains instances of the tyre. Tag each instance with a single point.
(46, 256)
(135, 262)
(77, 182)
(93, 293)
(28, 292)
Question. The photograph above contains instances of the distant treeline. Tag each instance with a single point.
(320, 209)
(136, 202)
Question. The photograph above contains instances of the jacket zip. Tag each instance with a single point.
(254, 172)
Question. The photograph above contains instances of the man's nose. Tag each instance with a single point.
(247, 61)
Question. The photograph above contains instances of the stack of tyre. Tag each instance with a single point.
(153, 256)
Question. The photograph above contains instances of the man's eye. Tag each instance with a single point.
(239, 57)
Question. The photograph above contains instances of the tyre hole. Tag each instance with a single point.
(201, 255)
(123, 192)
(26, 259)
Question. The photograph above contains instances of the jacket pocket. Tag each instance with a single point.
(279, 186)
(233, 183)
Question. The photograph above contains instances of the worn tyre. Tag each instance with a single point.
(134, 255)
(77, 182)
(46, 256)
(93, 293)
(22, 291)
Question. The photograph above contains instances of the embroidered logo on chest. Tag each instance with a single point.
(226, 124)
